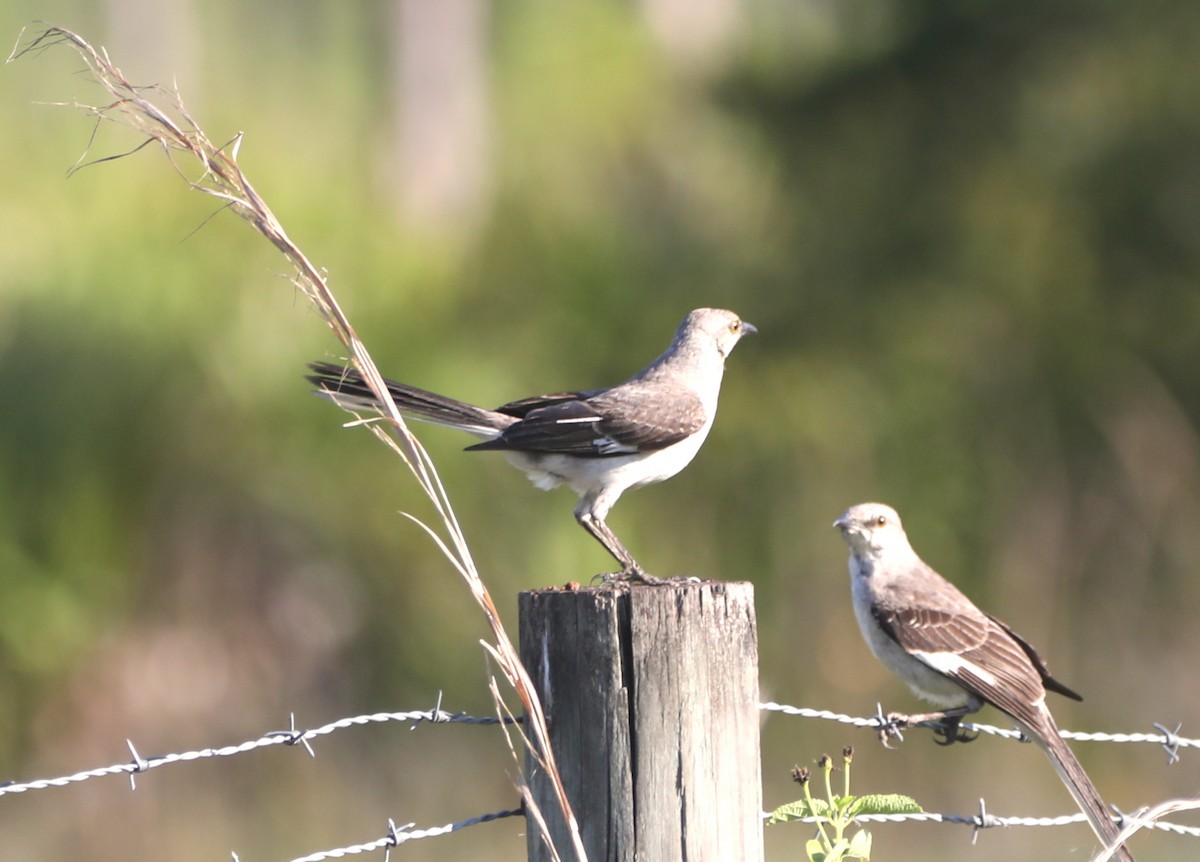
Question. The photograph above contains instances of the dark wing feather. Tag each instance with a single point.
(1006, 677)
(930, 630)
(1040, 666)
(525, 406)
(621, 421)
(646, 420)
(566, 428)
(992, 663)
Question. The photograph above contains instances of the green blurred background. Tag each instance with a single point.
(968, 233)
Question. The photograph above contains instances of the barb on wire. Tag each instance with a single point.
(983, 821)
(138, 765)
(1169, 740)
(289, 737)
(298, 737)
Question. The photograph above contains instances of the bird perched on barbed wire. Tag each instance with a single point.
(600, 442)
(924, 630)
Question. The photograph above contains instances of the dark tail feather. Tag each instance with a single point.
(1084, 792)
(345, 387)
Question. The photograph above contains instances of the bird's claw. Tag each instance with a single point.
(950, 730)
(635, 574)
(630, 574)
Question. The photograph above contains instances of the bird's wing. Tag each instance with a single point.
(972, 649)
(622, 421)
(1048, 681)
(522, 408)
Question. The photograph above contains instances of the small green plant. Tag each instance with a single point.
(834, 815)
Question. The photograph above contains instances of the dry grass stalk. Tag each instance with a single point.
(185, 143)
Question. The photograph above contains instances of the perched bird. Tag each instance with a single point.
(951, 653)
(600, 442)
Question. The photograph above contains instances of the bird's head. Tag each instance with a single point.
(870, 529)
(722, 328)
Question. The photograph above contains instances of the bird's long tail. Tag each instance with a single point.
(1086, 796)
(346, 387)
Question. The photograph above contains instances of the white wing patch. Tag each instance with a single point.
(953, 665)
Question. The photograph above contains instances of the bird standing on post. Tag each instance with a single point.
(952, 654)
(600, 442)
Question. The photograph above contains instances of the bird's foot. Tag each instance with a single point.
(946, 726)
(632, 574)
(949, 731)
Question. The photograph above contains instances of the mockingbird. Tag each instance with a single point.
(600, 442)
(953, 654)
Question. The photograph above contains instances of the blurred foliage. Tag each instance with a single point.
(969, 236)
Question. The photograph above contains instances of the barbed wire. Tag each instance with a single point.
(398, 835)
(984, 820)
(1168, 739)
(292, 736)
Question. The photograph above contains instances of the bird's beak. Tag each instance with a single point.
(748, 328)
(842, 523)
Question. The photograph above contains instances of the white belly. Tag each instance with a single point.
(924, 681)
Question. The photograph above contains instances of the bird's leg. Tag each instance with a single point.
(630, 570)
(949, 731)
(945, 724)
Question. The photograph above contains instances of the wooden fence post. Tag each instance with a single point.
(652, 699)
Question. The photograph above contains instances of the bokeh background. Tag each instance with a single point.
(969, 234)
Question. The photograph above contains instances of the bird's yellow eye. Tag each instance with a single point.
(735, 326)
(881, 520)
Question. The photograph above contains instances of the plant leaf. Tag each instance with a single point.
(798, 810)
(883, 803)
(860, 846)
